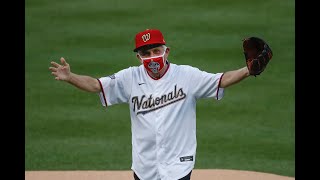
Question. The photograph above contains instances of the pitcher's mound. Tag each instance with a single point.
(197, 174)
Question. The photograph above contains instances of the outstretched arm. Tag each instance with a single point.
(232, 77)
(62, 72)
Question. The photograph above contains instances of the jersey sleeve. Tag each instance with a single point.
(116, 88)
(206, 85)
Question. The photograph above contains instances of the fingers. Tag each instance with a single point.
(63, 61)
(53, 69)
(55, 64)
(55, 74)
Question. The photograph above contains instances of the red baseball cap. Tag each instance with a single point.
(149, 37)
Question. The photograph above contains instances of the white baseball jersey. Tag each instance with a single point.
(163, 116)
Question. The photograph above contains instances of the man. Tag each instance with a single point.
(162, 101)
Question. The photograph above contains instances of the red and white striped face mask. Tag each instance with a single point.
(154, 64)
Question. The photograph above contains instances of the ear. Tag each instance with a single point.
(139, 58)
(167, 52)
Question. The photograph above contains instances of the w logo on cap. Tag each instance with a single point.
(146, 37)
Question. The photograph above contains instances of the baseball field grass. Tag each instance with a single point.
(251, 128)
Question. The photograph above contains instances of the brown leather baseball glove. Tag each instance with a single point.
(257, 54)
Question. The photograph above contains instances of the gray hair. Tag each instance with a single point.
(163, 46)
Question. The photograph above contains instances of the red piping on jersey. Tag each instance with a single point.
(219, 86)
(162, 74)
(104, 96)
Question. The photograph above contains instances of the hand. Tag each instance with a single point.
(61, 72)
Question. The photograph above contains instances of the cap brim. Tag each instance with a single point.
(146, 47)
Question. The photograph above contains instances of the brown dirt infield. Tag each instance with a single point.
(197, 174)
